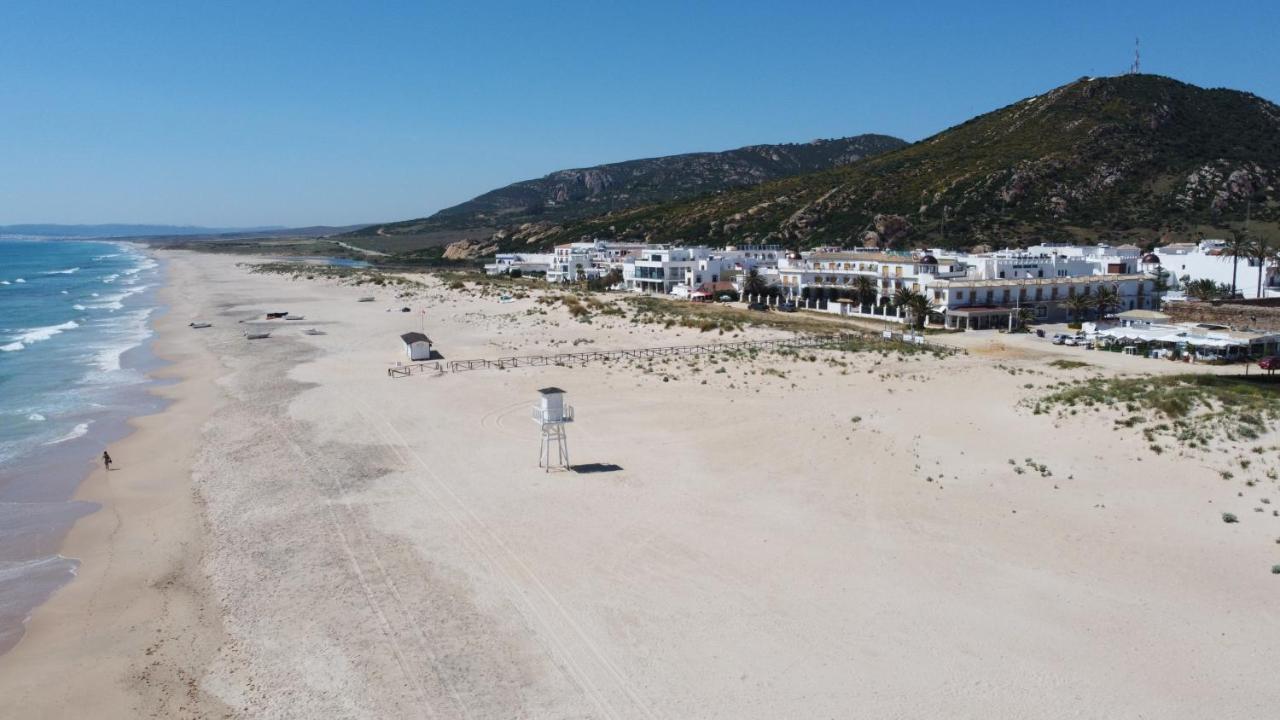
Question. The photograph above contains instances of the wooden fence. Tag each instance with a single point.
(587, 356)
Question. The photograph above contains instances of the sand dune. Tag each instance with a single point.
(300, 535)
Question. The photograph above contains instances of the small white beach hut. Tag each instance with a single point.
(417, 346)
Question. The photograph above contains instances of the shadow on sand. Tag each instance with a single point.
(596, 468)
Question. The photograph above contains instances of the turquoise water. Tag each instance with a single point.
(74, 320)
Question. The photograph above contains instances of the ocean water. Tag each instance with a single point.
(74, 330)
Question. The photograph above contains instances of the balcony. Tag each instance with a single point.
(543, 417)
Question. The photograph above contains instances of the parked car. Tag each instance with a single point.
(787, 307)
(1270, 363)
(760, 307)
(1060, 339)
(1070, 340)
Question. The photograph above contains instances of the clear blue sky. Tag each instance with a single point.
(291, 113)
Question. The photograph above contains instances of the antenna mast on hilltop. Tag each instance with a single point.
(1136, 67)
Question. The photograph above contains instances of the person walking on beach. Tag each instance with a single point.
(106, 460)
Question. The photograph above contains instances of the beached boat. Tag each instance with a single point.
(257, 335)
(369, 298)
(293, 317)
(313, 331)
(199, 325)
(506, 299)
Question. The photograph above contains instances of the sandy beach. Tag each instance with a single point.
(852, 535)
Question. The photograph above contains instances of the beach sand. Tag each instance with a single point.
(299, 535)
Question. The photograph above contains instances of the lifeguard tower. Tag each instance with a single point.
(551, 413)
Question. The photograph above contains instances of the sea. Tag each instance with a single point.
(75, 329)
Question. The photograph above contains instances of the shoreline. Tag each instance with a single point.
(299, 535)
(99, 624)
(38, 494)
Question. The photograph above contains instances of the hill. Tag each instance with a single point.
(1096, 159)
(569, 195)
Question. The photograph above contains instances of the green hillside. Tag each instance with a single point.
(1097, 159)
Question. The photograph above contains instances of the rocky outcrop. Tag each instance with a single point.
(468, 250)
(1103, 159)
(585, 192)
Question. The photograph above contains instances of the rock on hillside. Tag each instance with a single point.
(1099, 158)
(575, 194)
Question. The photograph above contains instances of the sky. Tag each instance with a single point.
(321, 112)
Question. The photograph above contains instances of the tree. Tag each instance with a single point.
(1203, 290)
(1106, 301)
(1025, 317)
(1161, 284)
(754, 284)
(1078, 305)
(606, 281)
(1261, 249)
(1238, 245)
(915, 304)
(864, 290)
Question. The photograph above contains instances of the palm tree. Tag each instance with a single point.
(1260, 249)
(754, 284)
(1078, 305)
(1203, 290)
(1238, 245)
(1106, 301)
(1025, 316)
(864, 289)
(916, 304)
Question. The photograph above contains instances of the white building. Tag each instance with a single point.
(417, 346)
(526, 263)
(821, 279)
(572, 262)
(1211, 260)
(662, 269)
(976, 304)
(976, 292)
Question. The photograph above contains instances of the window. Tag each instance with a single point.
(959, 294)
(1001, 273)
(1039, 293)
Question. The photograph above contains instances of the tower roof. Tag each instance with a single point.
(551, 391)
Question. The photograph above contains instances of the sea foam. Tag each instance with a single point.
(33, 335)
(78, 431)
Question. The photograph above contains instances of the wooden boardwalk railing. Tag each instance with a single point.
(582, 358)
